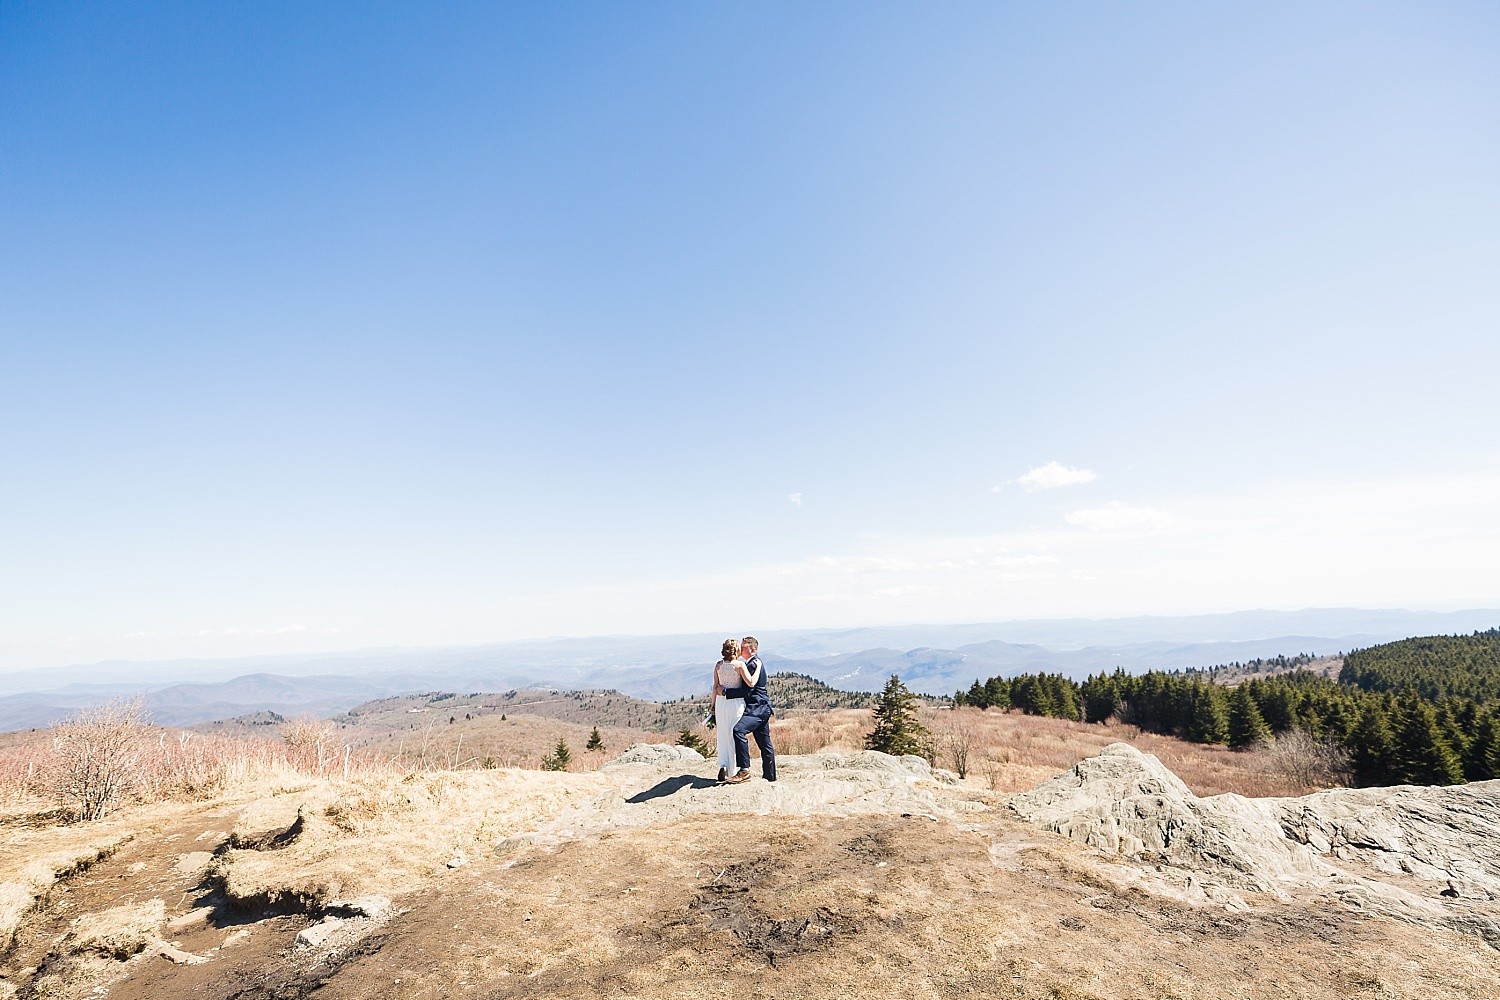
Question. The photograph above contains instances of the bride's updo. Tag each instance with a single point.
(731, 649)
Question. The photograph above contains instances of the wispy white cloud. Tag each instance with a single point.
(1052, 475)
(1115, 516)
(1420, 541)
(796, 499)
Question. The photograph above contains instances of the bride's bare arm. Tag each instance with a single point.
(749, 676)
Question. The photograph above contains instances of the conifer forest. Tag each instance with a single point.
(1419, 711)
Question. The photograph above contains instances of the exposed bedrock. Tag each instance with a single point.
(1426, 855)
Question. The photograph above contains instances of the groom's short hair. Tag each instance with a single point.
(750, 641)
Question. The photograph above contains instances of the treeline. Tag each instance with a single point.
(1389, 737)
(1279, 664)
(1436, 667)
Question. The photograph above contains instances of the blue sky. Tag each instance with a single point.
(337, 325)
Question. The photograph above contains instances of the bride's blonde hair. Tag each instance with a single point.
(731, 649)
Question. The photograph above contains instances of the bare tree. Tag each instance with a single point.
(957, 741)
(98, 756)
(1302, 758)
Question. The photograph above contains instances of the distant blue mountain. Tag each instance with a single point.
(935, 659)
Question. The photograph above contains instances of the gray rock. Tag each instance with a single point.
(1443, 836)
(1426, 856)
(370, 907)
(174, 954)
(193, 862)
(319, 933)
(659, 754)
(864, 761)
(1127, 802)
(458, 860)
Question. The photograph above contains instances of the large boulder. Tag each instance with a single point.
(1423, 855)
(1127, 802)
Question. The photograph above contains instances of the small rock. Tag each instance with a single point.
(235, 938)
(458, 860)
(373, 907)
(193, 862)
(318, 934)
(188, 919)
(176, 955)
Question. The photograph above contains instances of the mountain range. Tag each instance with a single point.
(935, 659)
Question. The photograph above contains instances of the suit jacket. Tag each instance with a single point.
(757, 696)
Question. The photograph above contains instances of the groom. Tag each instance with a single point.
(756, 721)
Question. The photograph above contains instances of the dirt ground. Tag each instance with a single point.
(741, 903)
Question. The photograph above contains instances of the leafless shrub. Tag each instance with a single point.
(312, 744)
(957, 743)
(1304, 760)
(97, 756)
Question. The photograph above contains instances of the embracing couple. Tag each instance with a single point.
(742, 708)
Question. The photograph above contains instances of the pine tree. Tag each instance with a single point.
(1423, 756)
(1370, 745)
(997, 693)
(596, 742)
(897, 730)
(1208, 721)
(691, 740)
(1246, 725)
(1279, 707)
(559, 758)
(1483, 760)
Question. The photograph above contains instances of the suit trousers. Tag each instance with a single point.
(757, 724)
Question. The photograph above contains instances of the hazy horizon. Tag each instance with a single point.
(1150, 628)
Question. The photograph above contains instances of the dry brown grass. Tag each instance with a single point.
(487, 741)
(1013, 752)
(163, 765)
(383, 833)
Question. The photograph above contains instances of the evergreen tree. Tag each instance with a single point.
(1482, 762)
(596, 742)
(1063, 694)
(897, 729)
(1371, 744)
(1030, 695)
(559, 758)
(1340, 719)
(1422, 755)
(691, 740)
(1101, 697)
(1278, 706)
(1208, 719)
(997, 693)
(1246, 725)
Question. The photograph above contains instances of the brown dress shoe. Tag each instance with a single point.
(737, 777)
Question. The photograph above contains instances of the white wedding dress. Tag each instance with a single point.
(728, 711)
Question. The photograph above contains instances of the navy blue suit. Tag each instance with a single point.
(755, 722)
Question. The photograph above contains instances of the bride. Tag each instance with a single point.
(731, 678)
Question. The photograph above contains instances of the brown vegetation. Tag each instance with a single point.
(1012, 752)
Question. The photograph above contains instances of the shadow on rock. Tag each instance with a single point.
(671, 787)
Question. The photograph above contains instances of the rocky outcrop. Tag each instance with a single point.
(1127, 802)
(658, 754)
(1447, 836)
(1428, 856)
